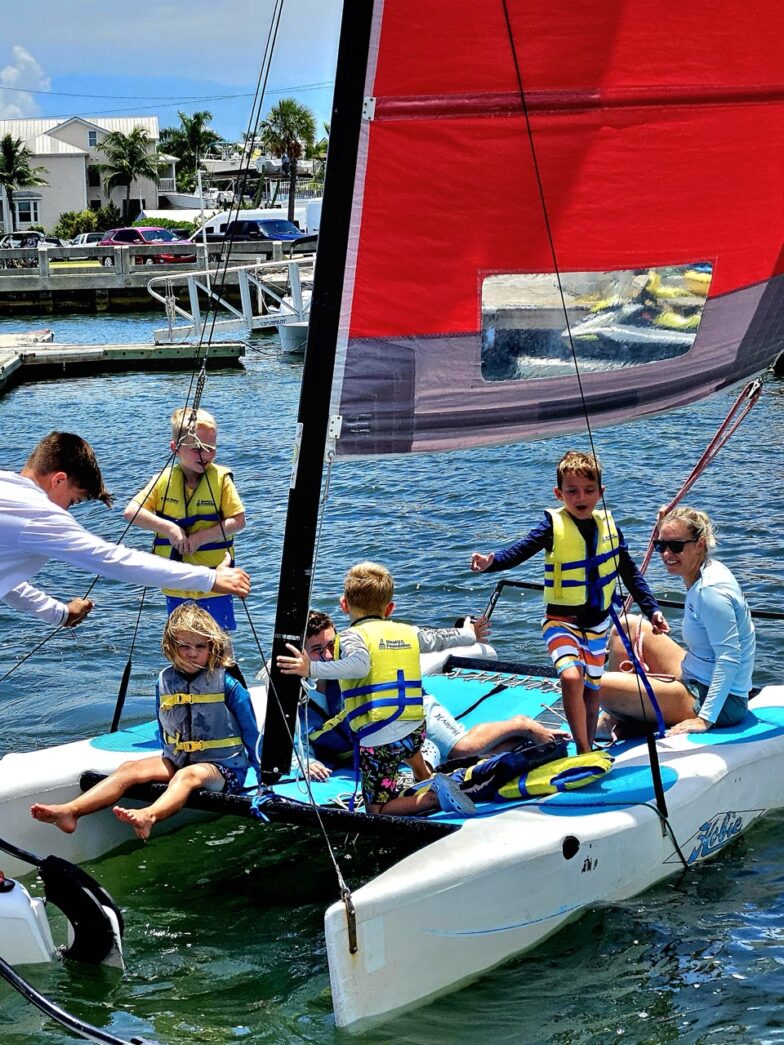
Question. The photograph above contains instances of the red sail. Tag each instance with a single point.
(655, 134)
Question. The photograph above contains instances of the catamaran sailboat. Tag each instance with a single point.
(589, 136)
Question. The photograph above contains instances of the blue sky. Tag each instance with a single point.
(102, 57)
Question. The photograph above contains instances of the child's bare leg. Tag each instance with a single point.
(572, 690)
(182, 783)
(591, 701)
(154, 769)
(419, 766)
(408, 805)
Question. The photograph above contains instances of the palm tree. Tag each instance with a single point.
(16, 172)
(288, 131)
(130, 157)
(192, 140)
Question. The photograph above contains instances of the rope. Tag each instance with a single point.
(747, 399)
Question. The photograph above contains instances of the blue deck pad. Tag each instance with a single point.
(457, 694)
(757, 725)
(133, 740)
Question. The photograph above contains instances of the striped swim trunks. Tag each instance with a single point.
(571, 646)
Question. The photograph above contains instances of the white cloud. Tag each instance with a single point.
(23, 75)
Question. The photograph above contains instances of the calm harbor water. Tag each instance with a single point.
(223, 939)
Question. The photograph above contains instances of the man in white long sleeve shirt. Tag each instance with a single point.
(36, 525)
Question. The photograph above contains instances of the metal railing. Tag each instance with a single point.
(272, 294)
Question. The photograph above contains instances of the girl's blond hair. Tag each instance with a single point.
(698, 522)
(189, 616)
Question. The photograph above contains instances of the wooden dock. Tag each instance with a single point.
(25, 362)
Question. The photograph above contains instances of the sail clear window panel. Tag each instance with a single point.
(616, 319)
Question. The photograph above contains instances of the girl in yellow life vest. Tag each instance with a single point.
(585, 553)
(377, 665)
(193, 508)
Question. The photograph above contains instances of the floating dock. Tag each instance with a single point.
(26, 362)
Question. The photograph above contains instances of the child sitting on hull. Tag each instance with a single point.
(193, 509)
(36, 525)
(585, 553)
(377, 664)
(207, 730)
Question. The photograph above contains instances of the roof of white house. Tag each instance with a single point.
(46, 145)
(26, 129)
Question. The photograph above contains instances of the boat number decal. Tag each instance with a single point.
(589, 864)
(715, 833)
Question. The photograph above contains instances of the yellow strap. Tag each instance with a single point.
(190, 746)
(172, 700)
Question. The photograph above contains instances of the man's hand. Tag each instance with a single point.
(318, 771)
(231, 580)
(481, 626)
(480, 562)
(298, 664)
(77, 610)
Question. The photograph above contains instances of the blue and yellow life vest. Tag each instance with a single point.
(197, 512)
(568, 567)
(196, 725)
(328, 732)
(392, 689)
(565, 774)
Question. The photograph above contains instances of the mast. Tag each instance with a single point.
(313, 417)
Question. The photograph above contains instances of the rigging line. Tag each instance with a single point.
(90, 587)
(653, 754)
(253, 120)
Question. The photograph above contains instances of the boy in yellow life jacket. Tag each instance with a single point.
(193, 509)
(585, 553)
(377, 665)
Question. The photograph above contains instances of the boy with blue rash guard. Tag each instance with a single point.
(193, 508)
(585, 553)
(377, 663)
(207, 730)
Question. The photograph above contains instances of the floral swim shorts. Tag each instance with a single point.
(379, 767)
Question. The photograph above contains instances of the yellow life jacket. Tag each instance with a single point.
(392, 689)
(197, 512)
(565, 774)
(566, 580)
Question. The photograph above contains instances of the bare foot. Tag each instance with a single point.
(139, 819)
(60, 816)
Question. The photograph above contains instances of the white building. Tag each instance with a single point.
(69, 150)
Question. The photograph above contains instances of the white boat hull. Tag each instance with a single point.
(505, 882)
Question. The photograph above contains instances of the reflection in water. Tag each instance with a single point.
(613, 319)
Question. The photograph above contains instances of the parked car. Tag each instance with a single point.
(248, 229)
(127, 237)
(83, 240)
(256, 230)
(24, 239)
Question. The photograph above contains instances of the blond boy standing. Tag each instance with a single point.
(193, 509)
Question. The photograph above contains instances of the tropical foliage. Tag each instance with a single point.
(16, 173)
(73, 222)
(289, 130)
(129, 157)
(189, 142)
(186, 227)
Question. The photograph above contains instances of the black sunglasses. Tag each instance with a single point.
(674, 546)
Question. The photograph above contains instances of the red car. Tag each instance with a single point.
(144, 234)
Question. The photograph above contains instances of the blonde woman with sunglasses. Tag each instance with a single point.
(705, 685)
